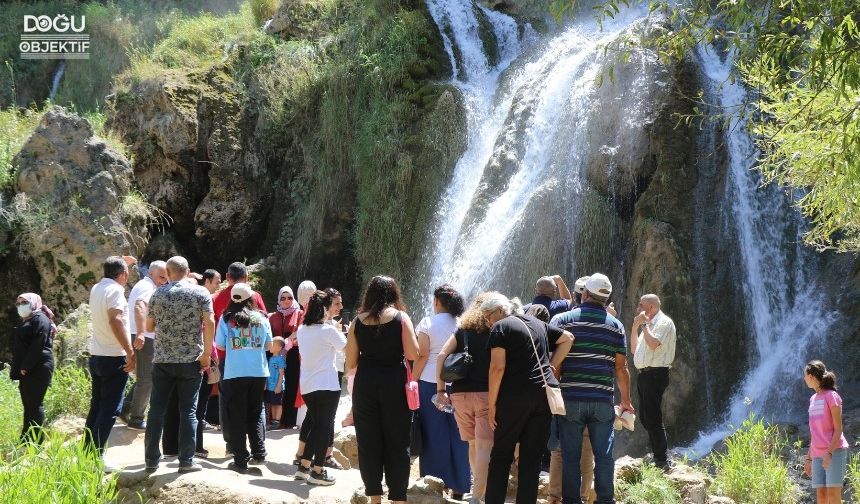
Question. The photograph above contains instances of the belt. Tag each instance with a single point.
(650, 369)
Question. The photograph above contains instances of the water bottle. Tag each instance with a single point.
(442, 405)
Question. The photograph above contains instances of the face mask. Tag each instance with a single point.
(25, 310)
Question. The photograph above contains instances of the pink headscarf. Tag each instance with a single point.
(35, 301)
(286, 312)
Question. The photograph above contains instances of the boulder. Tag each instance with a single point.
(693, 485)
(628, 469)
(294, 19)
(427, 490)
(73, 334)
(341, 458)
(73, 207)
(69, 426)
(714, 499)
(345, 442)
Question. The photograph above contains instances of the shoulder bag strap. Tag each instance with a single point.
(466, 341)
(531, 338)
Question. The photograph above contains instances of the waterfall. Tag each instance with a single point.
(530, 122)
(55, 81)
(787, 312)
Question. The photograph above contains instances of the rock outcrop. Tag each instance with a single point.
(74, 207)
(191, 140)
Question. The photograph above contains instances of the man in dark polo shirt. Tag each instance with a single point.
(596, 361)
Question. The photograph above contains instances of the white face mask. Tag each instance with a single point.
(25, 310)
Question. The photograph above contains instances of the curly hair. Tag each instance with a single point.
(473, 318)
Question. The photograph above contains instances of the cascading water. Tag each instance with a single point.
(786, 310)
(530, 129)
(549, 154)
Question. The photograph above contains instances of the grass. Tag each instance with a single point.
(854, 476)
(750, 470)
(651, 487)
(69, 393)
(59, 471)
(10, 413)
(15, 129)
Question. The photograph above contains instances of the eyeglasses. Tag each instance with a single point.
(285, 298)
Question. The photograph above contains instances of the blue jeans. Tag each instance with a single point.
(108, 383)
(185, 378)
(598, 417)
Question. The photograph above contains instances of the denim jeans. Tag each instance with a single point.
(598, 417)
(108, 384)
(185, 377)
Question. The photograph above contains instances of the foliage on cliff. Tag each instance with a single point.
(802, 60)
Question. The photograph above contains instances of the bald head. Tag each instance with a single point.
(650, 304)
(177, 268)
(545, 286)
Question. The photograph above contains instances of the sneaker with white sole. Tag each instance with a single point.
(192, 467)
(320, 478)
(301, 473)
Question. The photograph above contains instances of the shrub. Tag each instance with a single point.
(264, 9)
(651, 487)
(58, 472)
(69, 393)
(751, 470)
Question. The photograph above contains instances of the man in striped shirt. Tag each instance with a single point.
(596, 361)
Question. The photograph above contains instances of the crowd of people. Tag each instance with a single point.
(483, 385)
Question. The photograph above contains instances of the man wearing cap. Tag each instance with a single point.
(597, 359)
(552, 292)
(176, 312)
(652, 341)
(142, 341)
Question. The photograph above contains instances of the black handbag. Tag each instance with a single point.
(456, 366)
(416, 437)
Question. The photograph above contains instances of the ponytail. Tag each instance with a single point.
(318, 303)
(826, 379)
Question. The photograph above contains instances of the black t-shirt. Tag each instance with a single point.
(477, 380)
(522, 371)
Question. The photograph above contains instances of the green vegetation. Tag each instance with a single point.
(69, 393)
(754, 446)
(10, 413)
(801, 59)
(853, 475)
(651, 487)
(58, 472)
(15, 127)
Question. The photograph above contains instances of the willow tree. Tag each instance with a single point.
(801, 59)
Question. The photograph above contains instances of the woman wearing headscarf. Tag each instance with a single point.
(33, 361)
(284, 321)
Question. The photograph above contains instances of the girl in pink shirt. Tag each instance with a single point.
(828, 448)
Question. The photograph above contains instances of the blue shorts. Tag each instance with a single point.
(273, 398)
(834, 475)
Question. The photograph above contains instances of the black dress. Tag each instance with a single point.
(33, 353)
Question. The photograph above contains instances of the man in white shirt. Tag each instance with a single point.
(652, 340)
(142, 341)
(111, 354)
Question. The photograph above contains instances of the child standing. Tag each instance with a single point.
(828, 448)
(275, 383)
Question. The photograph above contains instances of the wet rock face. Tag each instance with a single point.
(71, 210)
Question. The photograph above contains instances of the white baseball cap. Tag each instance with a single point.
(241, 292)
(579, 286)
(599, 285)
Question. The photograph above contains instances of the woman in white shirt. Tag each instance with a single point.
(318, 346)
(445, 455)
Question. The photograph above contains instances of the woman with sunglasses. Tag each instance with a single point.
(284, 321)
(33, 361)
